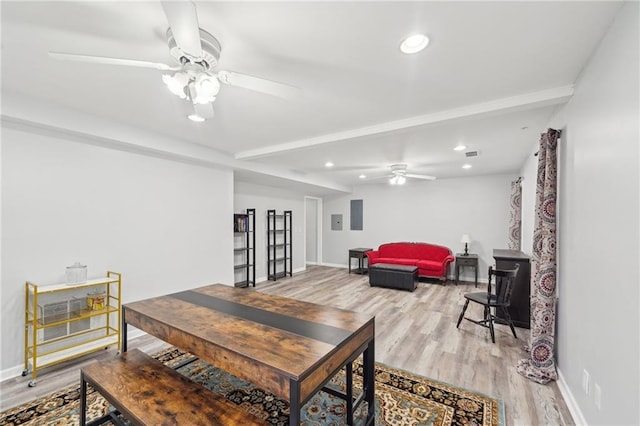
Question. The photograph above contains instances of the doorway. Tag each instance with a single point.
(313, 230)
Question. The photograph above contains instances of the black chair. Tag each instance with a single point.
(501, 299)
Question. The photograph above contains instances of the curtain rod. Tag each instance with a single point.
(559, 136)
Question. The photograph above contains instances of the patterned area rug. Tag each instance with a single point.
(402, 399)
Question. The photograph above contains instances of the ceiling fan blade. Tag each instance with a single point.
(183, 21)
(111, 61)
(204, 110)
(258, 84)
(425, 177)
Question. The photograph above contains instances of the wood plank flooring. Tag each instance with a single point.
(414, 331)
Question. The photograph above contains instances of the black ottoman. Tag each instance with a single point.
(393, 276)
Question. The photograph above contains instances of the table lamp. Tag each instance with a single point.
(466, 239)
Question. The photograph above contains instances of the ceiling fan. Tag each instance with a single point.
(399, 175)
(197, 53)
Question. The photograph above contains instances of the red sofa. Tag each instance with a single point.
(432, 260)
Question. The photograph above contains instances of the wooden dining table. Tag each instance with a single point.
(286, 346)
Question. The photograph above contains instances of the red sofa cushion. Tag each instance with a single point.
(397, 261)
(437, 268)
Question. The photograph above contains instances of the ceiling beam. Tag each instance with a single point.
(539, 99)
(22, 113)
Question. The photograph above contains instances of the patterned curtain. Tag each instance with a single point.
(540, 366)
(516, 215)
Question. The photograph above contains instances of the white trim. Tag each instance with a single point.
(319, 221)
(11, 372)
(467, 279)
(573, 406)
(335, 265)
(318, 230)
(546, 97)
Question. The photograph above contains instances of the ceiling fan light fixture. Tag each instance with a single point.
(196, 118)
(203, 99)
(414, 43)
(207, 85)
(177, 83)
(199, 97)
(398, 180)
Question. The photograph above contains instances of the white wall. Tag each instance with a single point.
(164, 225)
(263, 198)
(598, 327)
(436, 212)
(311, 230)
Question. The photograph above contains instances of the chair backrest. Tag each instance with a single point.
(505, 279)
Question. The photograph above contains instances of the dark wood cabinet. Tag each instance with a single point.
(520, 298)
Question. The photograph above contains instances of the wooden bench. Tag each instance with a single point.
(147, 392)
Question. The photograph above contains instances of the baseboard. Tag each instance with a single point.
(573, 406)
(335, 265)
(470, 279)
(312, 263)
(12, 372)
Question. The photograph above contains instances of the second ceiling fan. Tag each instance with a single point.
(399, 175)
(197, 54)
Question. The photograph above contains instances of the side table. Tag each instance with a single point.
(358, 253)
(466, 260)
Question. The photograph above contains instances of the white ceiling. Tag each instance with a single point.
(490, 70)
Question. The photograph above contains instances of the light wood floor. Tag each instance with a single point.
(414, 331)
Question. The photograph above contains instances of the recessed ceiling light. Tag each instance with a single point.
(414, 43)
(196, 118)
(459, 148)
(466, 166)
(328, 164)
(362, 176)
